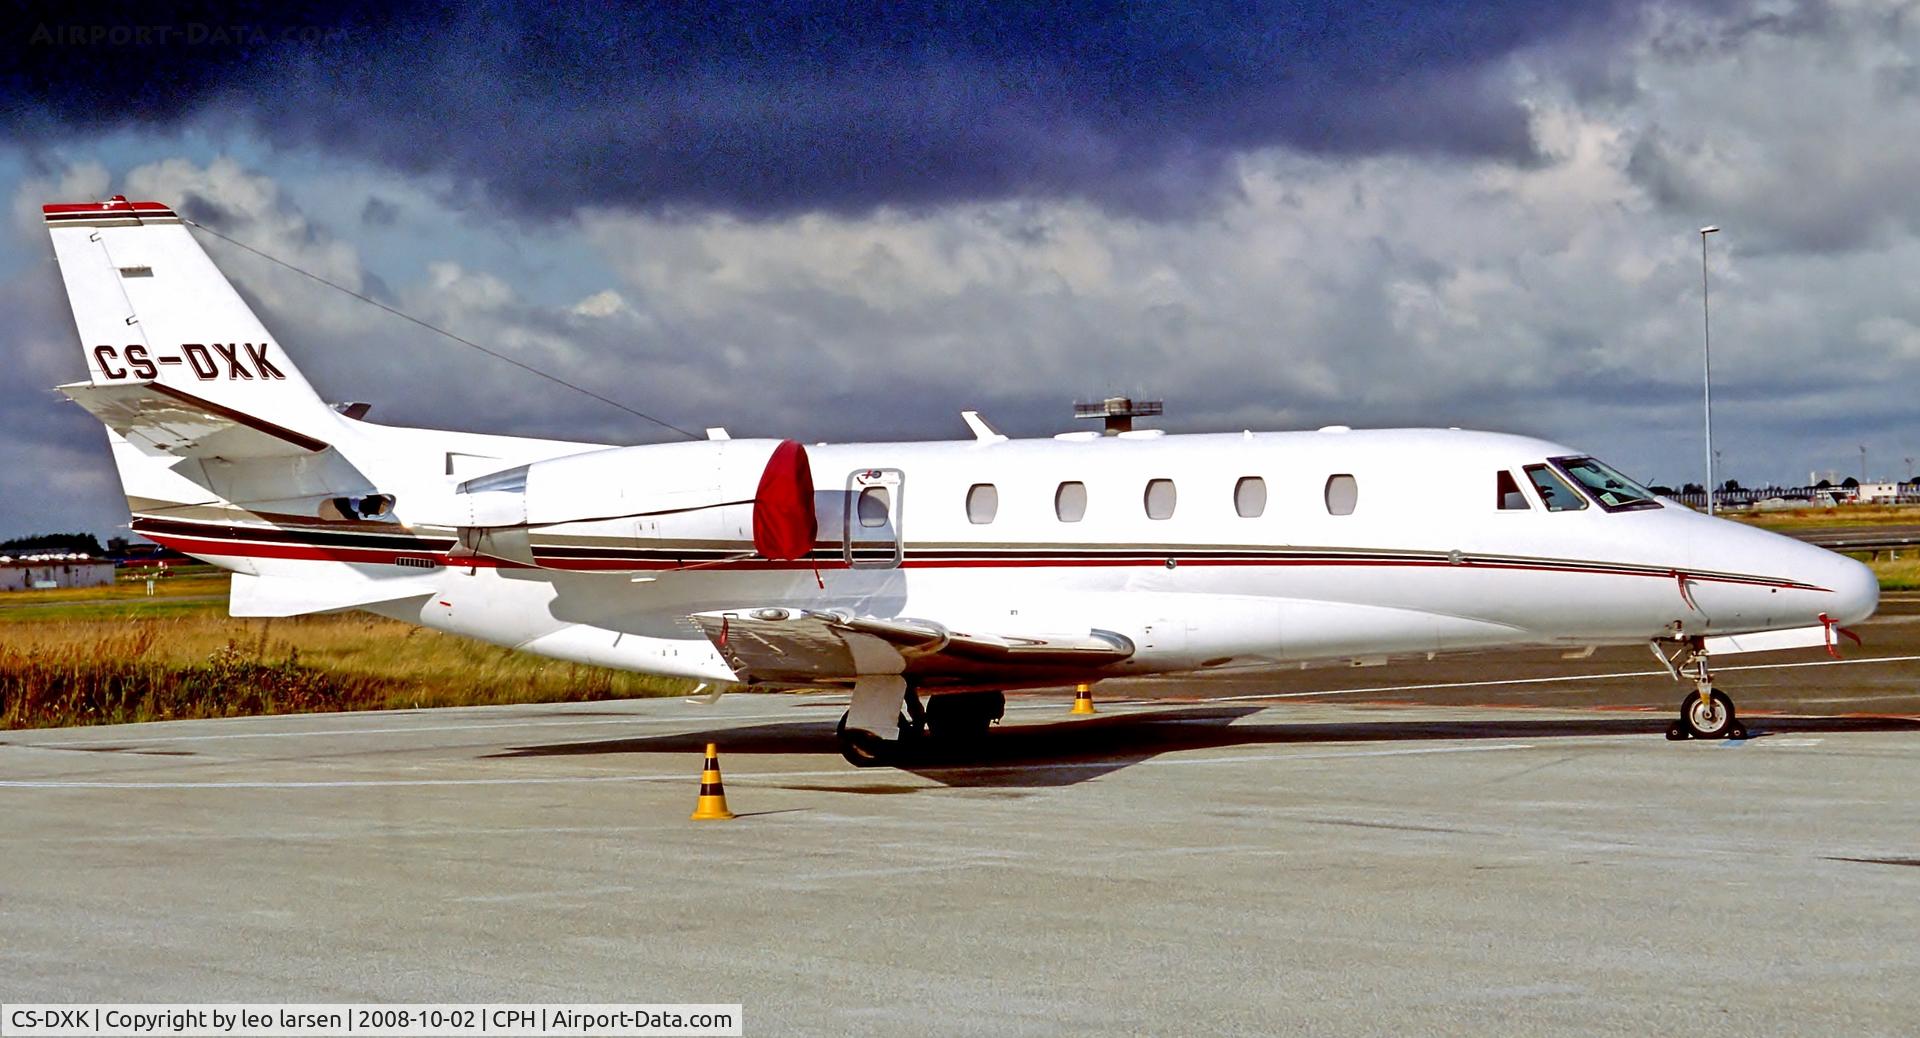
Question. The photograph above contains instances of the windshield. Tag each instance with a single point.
(1615, 492)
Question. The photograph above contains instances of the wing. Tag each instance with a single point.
(775, 645)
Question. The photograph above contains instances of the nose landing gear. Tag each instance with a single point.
(1709, 717)
(1706, 712)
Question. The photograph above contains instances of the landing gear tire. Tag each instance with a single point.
(964, 717)
(864, 749)
(1710, 720)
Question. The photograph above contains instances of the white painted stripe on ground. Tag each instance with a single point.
(543, 895)
(1408, 752)
(120, 735)
(739, 779)
(116, 734)
(1544, 681)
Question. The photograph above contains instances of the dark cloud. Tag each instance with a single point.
(770, 108)
(378, 212)
(57, 476)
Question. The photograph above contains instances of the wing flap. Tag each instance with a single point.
(798, 646)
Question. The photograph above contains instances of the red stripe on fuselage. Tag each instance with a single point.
(257, 550)
(377, 556)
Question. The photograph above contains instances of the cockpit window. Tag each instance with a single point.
(1615, 492)
(1511, 499)
(1554, 491)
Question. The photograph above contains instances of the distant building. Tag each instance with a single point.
(1878, 493)
(52, 570)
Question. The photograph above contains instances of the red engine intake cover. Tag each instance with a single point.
(783, 520)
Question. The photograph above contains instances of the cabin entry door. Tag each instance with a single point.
(870, 518)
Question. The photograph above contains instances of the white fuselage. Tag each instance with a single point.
(639, 539)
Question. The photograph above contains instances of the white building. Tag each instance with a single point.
(1878, 493)
(55, 569)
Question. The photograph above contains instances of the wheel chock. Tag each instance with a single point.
(1083, 698)
(712, 805)
(1676, 733)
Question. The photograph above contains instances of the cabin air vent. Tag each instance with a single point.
(415, 561)
(136, 272)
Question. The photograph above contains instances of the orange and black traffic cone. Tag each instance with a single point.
(712, 805)
(1083, 698)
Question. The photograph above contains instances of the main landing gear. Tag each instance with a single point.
(1706, 712)
(950, 720)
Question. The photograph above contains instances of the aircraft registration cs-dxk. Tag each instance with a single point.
(925, 578)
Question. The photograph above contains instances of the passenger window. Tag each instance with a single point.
(873, 506)
(1070, 502)
(983, 502)
(1511, 499)
(1250, 497)
(1554, 491)
(1161, 498)
(1343, 493)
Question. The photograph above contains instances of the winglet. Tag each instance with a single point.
(982, 430)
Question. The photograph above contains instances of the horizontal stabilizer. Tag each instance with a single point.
(802, 646)
(160, 419)
(287, 596)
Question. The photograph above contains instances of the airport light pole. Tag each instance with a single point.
(1706, 338)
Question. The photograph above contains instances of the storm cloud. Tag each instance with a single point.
(764, 108)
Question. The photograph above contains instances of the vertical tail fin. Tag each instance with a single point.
(210, 423)
(152, 308)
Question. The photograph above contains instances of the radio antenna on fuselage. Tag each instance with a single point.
(1118, 412)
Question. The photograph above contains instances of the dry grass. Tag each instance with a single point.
(200, 663)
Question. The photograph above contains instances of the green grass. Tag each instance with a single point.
(151, 608)
(1902, 574)
(131, 585)
(1839, 515)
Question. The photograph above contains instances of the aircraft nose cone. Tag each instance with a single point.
(1856, 591)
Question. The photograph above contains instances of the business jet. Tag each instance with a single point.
(928, 578)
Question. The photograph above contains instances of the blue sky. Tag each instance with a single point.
(851, 221)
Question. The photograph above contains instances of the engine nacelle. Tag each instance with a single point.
(740, 491)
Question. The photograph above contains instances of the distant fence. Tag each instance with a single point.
(1810, 497)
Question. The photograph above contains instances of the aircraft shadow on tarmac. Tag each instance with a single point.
(1067, 752)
